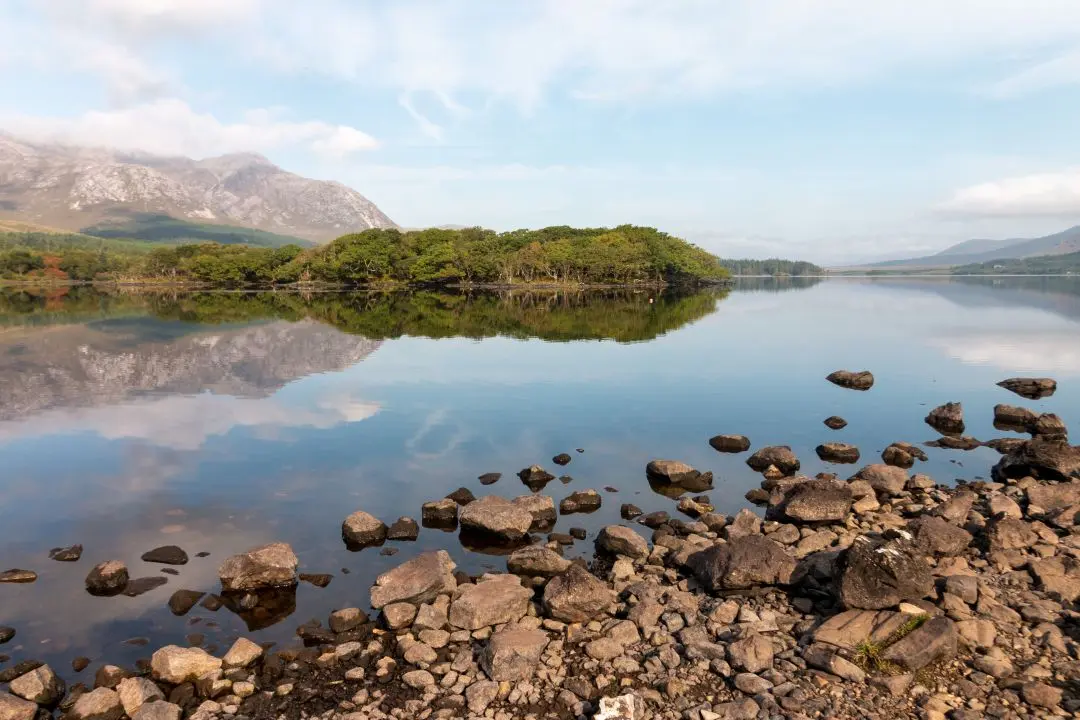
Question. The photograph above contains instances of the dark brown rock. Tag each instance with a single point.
(838, 452)
(68, 554)
(730, 443)
(582, 501)
(561, 459)
(181, 601)
(535, 477)
(1042, 459)
(1012, 416)
(879, 573)
(1030, 388)
(489, 478)
(937, 536)
(404, 528)
(743, 563)
(779, 456)
(166, 555)
(818, 501)
(835, 422)
(863, 380)
(947, 418)
(107, 578)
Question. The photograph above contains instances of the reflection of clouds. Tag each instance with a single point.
(421, 444)
(1042, 353)
(185, 422)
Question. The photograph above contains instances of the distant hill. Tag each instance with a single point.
(1068, 264)
(74, 188)
(979, 251)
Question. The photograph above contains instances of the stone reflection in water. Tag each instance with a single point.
(263, 608)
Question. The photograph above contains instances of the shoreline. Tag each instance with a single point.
(884, 594)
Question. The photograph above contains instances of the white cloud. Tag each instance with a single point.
(1047, 194)
(172, 127)
(141, 16)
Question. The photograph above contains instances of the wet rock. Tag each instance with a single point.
(578, 533)
(878, 573)
(677, 475)
(99, 704)
(13, 708)
(576, 595)
(174, 664)
(166, 555)
(71, 553)
(1011, 416)
(267, 566)
(619, 540)
(780, 456)
(462, 496)
(932, 641)
(109, 676)
(489, 478)
(1005, 445)
(862, 380)
(419, 580)
(513, 653)
(1049, 426)
(404, 528)
(319, 580)
(6, 633)
(730, 443)
(440, 514)
(838, 452)
(496, 517)
(561, 459)
(343, 620)
(16, 575)
(143, 585)
(886, 480)
(536, 561)
(495, 600)
(361, 530)
(535, 477)
(582, 501)
(629, 511)
(937, 536)
(835, 422)
(902, 455)
(107, 578)
(743, 563)
(1042, 459)
(136, 692)
(818, 501)
(1006, 533)
(540, 507)
(41, 685)
(158, 710)
(947, 418)
(654, 519)
(1030, 388)
(952, 442)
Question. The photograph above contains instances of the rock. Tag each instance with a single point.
(1049, 426)
(513, 653)
(745, 523)
(561, 459)
(1054, 497)
(1040, 458)
(826, 658)
(242, 653)
(535, 477)
(838, 452)
(671, 472)
(107, 578)
(399, 615)
(68, 554)
(835, 422)
(135, 692)
(495, 600)
(877, 573)
(654, 519)
(743, 563)
(932, 641)
(319, 580)
(629, 511)
(109, 676)
(536, 561)
(954, 442)
(496, 517)
(6, 633)
(604, 649)
(1011, 416)
(902, 455)
(582, 501)
(480, 695)
(267, 566)
(886, 480)
(462, 496)
(818, 501)
(730, 443)
(947, 418)
(100, 704)
(174, 665)
(957, 508)
(41, 685)
(863, 380)
(1006, 533)
(158, 710)
(419, 580)
(1041, 695)
(623, 707)
(542, 509)
(852, 628)
(1030, 388)
(343, 620)
(754, 653)
(937, 536)
(166, 555)
(578, 533)
(977, 633)
(13, 708)
(143, 585)
(780, 456)
(576, 596)
(181, 601)
(361, 530)
(440, 514)
(489, 478)
(404, 528)
(619, 540)
(418, 679)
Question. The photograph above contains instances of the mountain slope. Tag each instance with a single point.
(73, 188)
(980, 251)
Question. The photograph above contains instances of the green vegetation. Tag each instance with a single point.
(772, 266)
(1068, 264)
(626, 255)
(154, 228)
(621, 315)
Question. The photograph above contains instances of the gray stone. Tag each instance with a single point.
(497, 517)
(818, 501)
(879, 573)
(849, 629)
(743, 563)
(175, 665)
(99, 704)
(620, 540)
(419, 580)
(754, 653)
(577, 596)
(495, 600)
(513, 653)
(267, 566)
(404, 528)
(536, 561)
(932, 641)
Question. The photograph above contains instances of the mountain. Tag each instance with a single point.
(980, 251)
(75, 188)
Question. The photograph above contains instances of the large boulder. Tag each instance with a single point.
(779, 456)
(937, 536)
(1009, 533)
(360, 530)
(107, 578)
(416, 581)
(99, 704)
(743, 563)
(536, 561)
(495, 600)
(1049, 426)
(577, 595)
(619, 540)
(863, 380)
(878, 573)
(175, 665)
(818, 501)
(1054, 496)
(932, 641)
(1030, 388)
(886, 480)
(513, 653)
(137, 691)
(496, 517)
(1040, 458)
(267, 566)
(542, 509)
(41, 685)
(14, 708)
(947, 418)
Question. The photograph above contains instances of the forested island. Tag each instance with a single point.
(625, 255)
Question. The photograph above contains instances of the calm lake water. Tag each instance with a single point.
(218, 422)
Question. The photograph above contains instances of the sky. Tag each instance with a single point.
(833, 131)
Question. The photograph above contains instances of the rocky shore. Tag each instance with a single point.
(880, 595)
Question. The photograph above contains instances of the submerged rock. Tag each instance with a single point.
(167, 555)
(419, 580)
(181, 601)
(496, 517)
(862, 380)
(267, 566)
(68, 554)
(947, 418)
(440, 514)
(107, 578)
(404, 528)
(143, 585)
(16, 575)
(1030, 388)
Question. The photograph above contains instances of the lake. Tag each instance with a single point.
(218, 422)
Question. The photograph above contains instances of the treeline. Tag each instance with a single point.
(557, 255)
(1040, 265)
(772, 266)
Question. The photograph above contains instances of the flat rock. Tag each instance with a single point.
(16, 575)
(582, 501)
(730, 443)
(836, 452)
(174, 664)
(107, 578)
(158, 710)
(166, 555)
(404, 528)
(577, 595)
(181, 601)
(542, 509)
(937, 536)
(496, 517)
(513, 653)
(932, 641)
(143, 585)
(861, 380)
(620, 540)
(267, 566)
(1030, 388)
(818, 501)
(99, 704)
(779, 456)
(1012, 416)
(877, 573)
(742, 563)
(440, 514)
(489, 478)
(536, 561)
(886, 480)
(72, 553)
(419, 580)
(852, 628)
(361, 530)
(495, 600)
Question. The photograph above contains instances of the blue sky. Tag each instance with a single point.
(832, 130)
